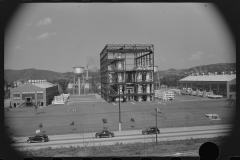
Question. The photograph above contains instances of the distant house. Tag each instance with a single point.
(70, 85)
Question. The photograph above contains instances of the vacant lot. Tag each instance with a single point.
(87, 116)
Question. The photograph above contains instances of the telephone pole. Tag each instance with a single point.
(156, 125)
(157, 111)
(119, 109)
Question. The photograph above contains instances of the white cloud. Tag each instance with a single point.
(46, 35)
(18, 47)
(180, 59)
(28, 24)
(45, 21)
(211, 55)
(162, 59)
(196, 56)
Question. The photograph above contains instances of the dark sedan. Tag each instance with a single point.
(104, 133)
(151, 130)
(38, 138)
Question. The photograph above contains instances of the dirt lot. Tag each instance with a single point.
(87, 116)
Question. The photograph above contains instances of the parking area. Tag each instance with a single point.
(81, 116)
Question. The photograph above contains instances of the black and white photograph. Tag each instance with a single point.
(119, 79)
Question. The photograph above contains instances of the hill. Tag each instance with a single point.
(171, 74)
(32, 74)
(219, 67)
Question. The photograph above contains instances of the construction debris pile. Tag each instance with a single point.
(62, 99)
(164, 95)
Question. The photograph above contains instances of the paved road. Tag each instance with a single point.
(127, 137)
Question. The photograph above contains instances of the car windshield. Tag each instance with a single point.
(103, 132)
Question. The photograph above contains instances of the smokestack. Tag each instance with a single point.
(87, 72)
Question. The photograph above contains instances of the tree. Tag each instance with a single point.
(40, 126)
(104, 120)
(72, 124)
(132, 120)
(36, 107)
(230, 101)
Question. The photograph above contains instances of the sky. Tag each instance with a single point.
(60, 36)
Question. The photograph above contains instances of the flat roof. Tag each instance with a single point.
(44, 85)
(210, 78)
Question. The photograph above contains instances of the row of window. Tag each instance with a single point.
(232, 87)
(24, 95)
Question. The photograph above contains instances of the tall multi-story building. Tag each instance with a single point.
(127, 71)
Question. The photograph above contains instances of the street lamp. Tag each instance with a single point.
(119, 127)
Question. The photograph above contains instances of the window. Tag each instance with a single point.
(200, 86)
(194, 86)
(28, 94)
(16, 95)
(39, 95)
(232, 87)
(206, 87)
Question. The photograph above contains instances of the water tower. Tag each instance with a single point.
(77, 72)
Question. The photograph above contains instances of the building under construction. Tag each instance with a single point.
(127, 71)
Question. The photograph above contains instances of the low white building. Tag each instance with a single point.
(224, 85)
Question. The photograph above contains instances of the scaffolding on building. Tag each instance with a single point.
(127, 71)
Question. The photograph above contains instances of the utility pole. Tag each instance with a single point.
(74, 85)
(119, 108)
(157, 111)
(156, 124)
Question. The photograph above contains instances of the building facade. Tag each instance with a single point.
(127, 71)
(224, 85)
(41, 94)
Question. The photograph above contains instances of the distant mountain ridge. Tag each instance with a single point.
(219, 67)
(27, 74)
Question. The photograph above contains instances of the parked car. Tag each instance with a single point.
(38, 138)
(104, 133)
(151, 130)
